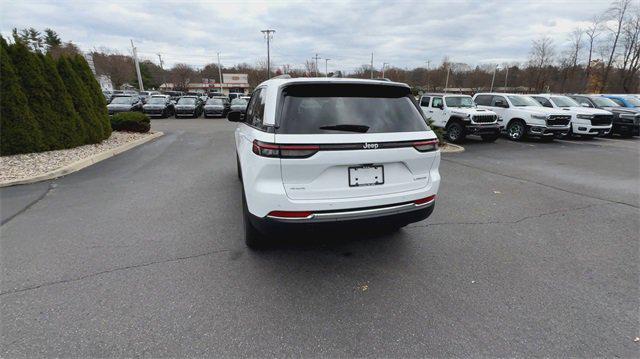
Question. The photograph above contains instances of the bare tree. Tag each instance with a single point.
(541, 56)
(617, 12)
(631, 51)
(181, 75)
(593, 31)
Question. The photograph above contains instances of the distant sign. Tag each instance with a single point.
(235, 78)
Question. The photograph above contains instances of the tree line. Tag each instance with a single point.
(49, 97)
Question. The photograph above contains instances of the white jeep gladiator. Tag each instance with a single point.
(459, 117)
(523, 116)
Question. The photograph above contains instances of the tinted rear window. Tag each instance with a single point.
(348, 108)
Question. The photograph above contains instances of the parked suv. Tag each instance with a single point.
(459, 116)
(333, 151)
(585, 122)
(626, 121)
(522, 116)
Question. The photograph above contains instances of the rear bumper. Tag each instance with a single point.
(395, 215)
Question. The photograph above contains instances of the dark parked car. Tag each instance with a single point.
(626, 121)
(175, 95)
(226, 102)
(160, 106)
(189, 106)
(214, 107)
(144, 95)
(124, 104)
(239, 104)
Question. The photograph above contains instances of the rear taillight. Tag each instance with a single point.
(425, 200)
(426, 146)
(284, 151)
(290, 214)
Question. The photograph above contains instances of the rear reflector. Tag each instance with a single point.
(289, 214)
(426, 146)
(424, 200)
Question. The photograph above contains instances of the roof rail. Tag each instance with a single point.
(285, 76)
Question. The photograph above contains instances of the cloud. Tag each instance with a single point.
(402, 33)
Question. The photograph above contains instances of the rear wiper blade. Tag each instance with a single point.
(346, 127)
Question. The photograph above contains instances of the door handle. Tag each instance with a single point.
(430, 111)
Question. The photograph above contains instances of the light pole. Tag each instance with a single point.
(326, 72)
(384, 64)
(372, 65)
(446, 83)
(493, 78)
(316, 58)
(268, 34)
(506, 75)
(219, 72)
(428, 66)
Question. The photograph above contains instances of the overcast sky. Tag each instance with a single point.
(402, 33)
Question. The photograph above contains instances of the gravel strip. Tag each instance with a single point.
(34, 164)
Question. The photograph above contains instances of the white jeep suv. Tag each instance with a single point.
(585, 121)
(333, 150)
(523, 116)
(459, 117)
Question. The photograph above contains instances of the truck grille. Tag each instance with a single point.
(154, 111)
(484, 118)
(558, 120)
(601, 120)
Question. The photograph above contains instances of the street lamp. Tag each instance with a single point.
(268, 34)
(493, 79)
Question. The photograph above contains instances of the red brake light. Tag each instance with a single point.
(425, 200)
(289, 214)
(284, 151)
(426, 146)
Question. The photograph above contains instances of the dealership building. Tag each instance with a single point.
(230, 83)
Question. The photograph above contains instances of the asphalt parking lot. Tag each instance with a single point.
(532, 251)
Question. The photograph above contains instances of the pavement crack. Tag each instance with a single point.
(542, 184)
(31, 204)
(562, 210)
(118, 269)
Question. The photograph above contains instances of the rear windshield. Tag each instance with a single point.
(348, 108)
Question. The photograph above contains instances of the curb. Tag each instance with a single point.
(451, 148)
(80, 164)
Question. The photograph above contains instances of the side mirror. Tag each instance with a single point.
(235, 116)
(441, 106)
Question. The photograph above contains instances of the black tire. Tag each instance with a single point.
(455, 132)
(516, 130)
(490, 137)
(252, 237)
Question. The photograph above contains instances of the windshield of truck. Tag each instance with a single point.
(564, 101)
(520, 101)
(603, 102)
(459, 101)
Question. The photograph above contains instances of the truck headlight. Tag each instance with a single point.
(584, 116)
(539, 117)
(628, 115)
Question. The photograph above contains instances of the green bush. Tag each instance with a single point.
(131, 122)
(38, 92)
(19, 131)
(81, 102)
(101, 115)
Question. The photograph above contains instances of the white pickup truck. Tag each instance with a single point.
(523, 116)
(585, 121)
(459, 117)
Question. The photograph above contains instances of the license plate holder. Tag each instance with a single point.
(366, 175)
